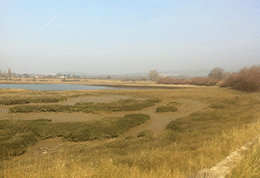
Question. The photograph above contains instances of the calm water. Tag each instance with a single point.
(54, 87)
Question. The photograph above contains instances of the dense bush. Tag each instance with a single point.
(247, 79)
(195, 81)
(204, 81)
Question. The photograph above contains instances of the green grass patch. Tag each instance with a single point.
(16, 135)
(88, 107)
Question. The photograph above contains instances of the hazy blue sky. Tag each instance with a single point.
(116, 37)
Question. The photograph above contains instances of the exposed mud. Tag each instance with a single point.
(159, 121)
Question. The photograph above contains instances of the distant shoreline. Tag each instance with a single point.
(106, 83)
(141, 86)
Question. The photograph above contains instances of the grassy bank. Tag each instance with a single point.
(16, 135)
(89, 107)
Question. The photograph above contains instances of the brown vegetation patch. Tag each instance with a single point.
(247, 79)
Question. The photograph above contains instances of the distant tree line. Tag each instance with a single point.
(9, 75)
(214, 77)
(247, 79)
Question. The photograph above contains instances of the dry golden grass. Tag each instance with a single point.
(161, 156)
(86, 160)
(249, 167)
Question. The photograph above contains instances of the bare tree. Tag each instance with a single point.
(9, 73)
(217, 73)
(153, 75)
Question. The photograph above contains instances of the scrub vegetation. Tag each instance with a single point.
(247, 79)
(206, 81)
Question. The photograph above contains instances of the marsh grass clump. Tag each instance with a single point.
(217, 106)
(146, 133)
(89, 107)
(166, 109)
(129, 137)
(29, 100)
(170, 107)
(16, 135)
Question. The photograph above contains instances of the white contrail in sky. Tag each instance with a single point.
(46, 24)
